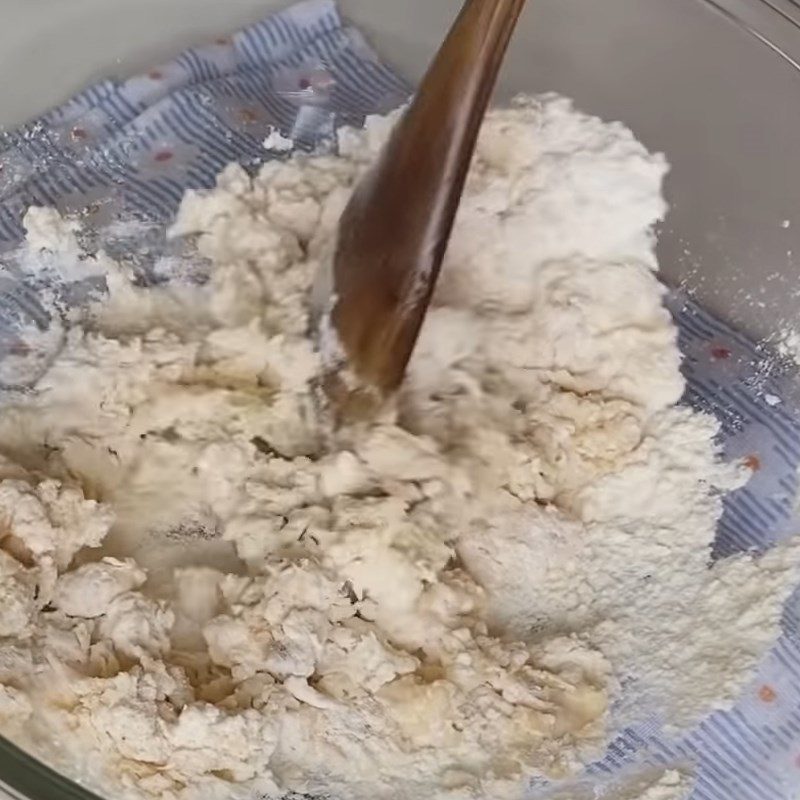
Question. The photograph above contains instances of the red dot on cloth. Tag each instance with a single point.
(752, 462)
(719, 353)
(767, 694)
(155, 74)
(79, 134)
(163, 156)
(248, 115)
(222, 41)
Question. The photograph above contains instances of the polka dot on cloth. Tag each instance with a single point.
(752, 462)
(155, 75)
(79, 134)
(309, 85)
(165, 157)
(767, 694)
(223, 41)
(720, 353)
(248, 115)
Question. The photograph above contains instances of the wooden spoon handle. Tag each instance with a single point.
(394, 232)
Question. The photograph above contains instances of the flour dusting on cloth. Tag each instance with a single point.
(207, 592)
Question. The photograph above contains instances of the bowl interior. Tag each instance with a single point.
(712, 83)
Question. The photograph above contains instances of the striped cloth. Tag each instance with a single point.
(753, 751)
(129, 150)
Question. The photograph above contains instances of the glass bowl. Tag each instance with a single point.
(714, 84)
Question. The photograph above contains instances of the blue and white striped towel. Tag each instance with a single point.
(129, 150)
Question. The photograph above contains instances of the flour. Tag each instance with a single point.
(207, 592)
(664, 784)
(670, 785)
(277, 142)
(789, 344)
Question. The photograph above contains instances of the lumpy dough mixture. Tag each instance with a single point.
(207, 592)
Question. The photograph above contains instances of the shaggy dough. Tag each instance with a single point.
(206, 592)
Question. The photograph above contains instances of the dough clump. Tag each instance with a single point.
(205, 592)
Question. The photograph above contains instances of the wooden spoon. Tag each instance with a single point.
(394, 233)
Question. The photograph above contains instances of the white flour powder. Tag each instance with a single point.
(205, 593)
(650, 785)
(789, 344)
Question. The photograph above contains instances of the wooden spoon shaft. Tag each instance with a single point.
(394, 232)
